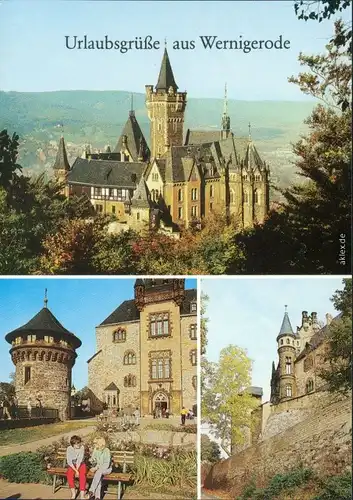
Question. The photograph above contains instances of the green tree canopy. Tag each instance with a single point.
(339, 355)
(226, 403)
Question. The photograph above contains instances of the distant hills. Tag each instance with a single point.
(97, 118)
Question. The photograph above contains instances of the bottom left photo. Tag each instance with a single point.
(98, 388)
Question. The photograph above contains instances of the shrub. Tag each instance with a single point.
(164, 426)
(278, 484)
(24, 467)
(336, 488)
(180, 470)
(210, 451)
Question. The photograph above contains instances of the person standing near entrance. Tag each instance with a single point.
(183, 414)
(137, 416)
(29, 408)
(6, 408)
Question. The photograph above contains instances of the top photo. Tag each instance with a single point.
(175, 138)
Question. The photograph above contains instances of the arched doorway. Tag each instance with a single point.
(160, 403)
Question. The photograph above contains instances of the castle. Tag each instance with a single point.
(147, 350)
(177, 181)
(44, 352)
(301, 355)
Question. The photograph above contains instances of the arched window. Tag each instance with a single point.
(180, 195)
(231, 196)
(194, 381)
(256, 196)
(119, 335)
(308, 363)
(309, 385)
(130, 358)
(288, 390)
(246, 197)
(257, 178)
(193, 357)
(281, 341)
(211, 191)
(130, 380)
(288, 366)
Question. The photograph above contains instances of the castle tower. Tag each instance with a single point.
(166, 109)
(286, 347)
(61, 166)
(225, 117)
(44, 352)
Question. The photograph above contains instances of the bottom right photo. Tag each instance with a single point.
(276, 388)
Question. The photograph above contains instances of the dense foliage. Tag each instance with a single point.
(210, 451)
(338, 375)
(24, 467)
(293, 484)
(226, 403)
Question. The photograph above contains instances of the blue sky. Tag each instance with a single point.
(79, 304)
(34, 57)
(249, 312)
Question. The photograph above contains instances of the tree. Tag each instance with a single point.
(204, 321)
(312, 227)
(319, 10)
(9, 167)
(226, 403)
(338, 375)
(210, 451)
(71, 250)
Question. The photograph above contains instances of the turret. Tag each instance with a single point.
(165, 108)
(286, 345)
(44, 352)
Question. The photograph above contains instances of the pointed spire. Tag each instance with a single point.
(273, 368)
(225, 117)
(61, 161)
(249, 126)
(132, 111)
(286, 327)
(225, 107)
(166, 77)
(46, 298)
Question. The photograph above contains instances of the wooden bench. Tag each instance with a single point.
(119, 458)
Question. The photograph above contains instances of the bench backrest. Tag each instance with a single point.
(119, 457)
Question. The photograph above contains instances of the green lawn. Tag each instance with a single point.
(28, 434)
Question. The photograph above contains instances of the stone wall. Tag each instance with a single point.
(189, 371)
(108, 365)
(321, 442)
(50, 380)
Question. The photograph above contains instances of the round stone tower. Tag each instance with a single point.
(44, 352)
(286, 342)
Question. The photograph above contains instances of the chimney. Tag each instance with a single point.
(328, 319)
(314, 317)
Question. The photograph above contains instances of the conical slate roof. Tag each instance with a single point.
(286, 328)
(166, 77)
(134, 139)
(45, 322)
(61, 161)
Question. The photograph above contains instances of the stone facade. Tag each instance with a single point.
(43, 352)
(153, 362)
(321, 442)
(301, 357)
(188, 178)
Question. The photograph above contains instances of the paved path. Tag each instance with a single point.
(34, 445)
